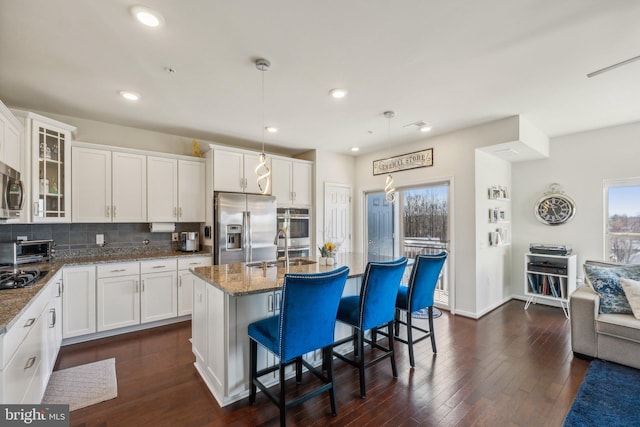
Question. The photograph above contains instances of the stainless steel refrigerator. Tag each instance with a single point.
(245, 228)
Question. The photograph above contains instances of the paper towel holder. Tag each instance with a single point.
(162, 227)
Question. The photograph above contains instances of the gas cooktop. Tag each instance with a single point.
(19, 278)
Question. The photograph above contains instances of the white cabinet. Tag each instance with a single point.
(549, 277)
(234, 170)
(199, 329)
(29, 348)
(118, 295)
(158, 290)
(191, 191)
(162, 189)
(78, 301)
(292, 182)
(53, 325)
(108, 186)
(10, 139)
(47, 144)
(175, 190)
(185, 281)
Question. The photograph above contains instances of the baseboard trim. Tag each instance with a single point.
(120, 331)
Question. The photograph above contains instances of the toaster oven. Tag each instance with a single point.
(25, 251)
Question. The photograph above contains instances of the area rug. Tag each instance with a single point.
(609, 396)
(83, 385)
(424, 313)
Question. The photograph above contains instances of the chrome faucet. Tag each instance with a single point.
(286, 245)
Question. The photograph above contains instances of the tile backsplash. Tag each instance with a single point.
(80, 239)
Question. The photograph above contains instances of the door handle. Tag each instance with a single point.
(30, 322)
(114, 211)
(108, 211)
(53, 317)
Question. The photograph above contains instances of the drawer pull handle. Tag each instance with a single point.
(120, 270)
(53, 317)
(159, 266)
(195, 263)
(30, 322)
(30, 362)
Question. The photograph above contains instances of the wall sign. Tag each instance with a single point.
(419, 159)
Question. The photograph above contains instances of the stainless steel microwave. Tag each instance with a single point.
(12, 192)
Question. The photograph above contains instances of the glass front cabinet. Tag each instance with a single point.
(49, 142)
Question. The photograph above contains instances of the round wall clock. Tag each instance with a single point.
(554, 208)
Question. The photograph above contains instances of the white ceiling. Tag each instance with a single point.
(449, 63)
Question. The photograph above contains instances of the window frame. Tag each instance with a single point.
(614, 183)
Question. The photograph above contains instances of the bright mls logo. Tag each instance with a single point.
(34, 415)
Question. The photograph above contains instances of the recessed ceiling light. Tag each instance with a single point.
(271, 129)
(354, 149)
(338, 93)
(147, 16)
(131, 96)
(425, 128)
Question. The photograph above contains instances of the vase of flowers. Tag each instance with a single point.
(327, 253)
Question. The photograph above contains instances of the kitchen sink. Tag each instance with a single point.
(280, 263)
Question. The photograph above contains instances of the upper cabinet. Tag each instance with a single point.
(10, 138)
(48, 144)
(175, 190)
(108, 186)
(234, 170)
(292, 181)
(191, 190)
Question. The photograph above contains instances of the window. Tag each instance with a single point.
(622, 213)
(425, 219)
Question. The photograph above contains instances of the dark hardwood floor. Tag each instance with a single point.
(511, 367)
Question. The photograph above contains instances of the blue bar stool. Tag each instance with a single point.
(374, 307)
(306, 323)
(417, 296)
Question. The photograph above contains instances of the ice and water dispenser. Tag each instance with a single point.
(234, 237)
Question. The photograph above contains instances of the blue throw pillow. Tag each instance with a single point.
(605, 280)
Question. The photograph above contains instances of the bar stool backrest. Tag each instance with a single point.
(308, 312)
(378, 292)
(423, 280)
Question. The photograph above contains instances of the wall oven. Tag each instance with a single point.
(12, 192)
(297, 223)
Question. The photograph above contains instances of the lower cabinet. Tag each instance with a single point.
(158, 290)
(78, 301)
(220, 342)
(29, 348)
(118, 295)
(185, 281)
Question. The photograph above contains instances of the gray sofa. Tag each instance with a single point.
(613, 337)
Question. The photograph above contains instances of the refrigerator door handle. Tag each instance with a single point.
(249, 238)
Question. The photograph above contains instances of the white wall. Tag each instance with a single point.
(579, 163)
(493, 263)
(454, 158)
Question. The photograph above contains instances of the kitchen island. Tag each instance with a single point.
(227, 298)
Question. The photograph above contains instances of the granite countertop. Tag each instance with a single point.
(244, 279)
(13, 302)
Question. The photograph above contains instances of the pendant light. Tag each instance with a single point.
(263, 173)
(389, 190)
